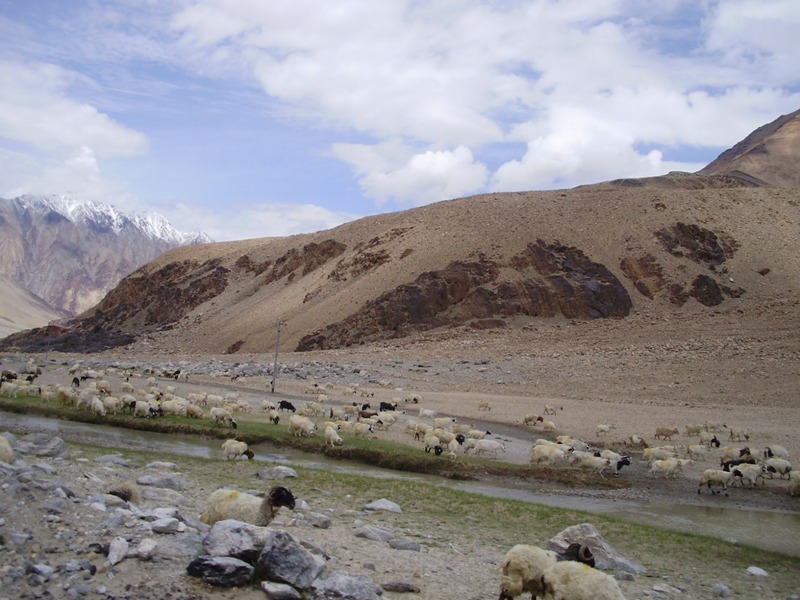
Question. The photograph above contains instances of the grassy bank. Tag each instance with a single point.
(256, 429)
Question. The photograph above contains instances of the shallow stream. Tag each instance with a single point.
(770, 530)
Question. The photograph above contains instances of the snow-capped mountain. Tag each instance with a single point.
(153, 225)
(71, 252)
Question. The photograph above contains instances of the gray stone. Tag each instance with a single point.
(161, 465)
(279, 591)
(146, 549)
(318, 520)
(720, 589)
(604, 555)
(757, 571)
(43, 569)
(42, 444)
(49, 469)
(279, 472)
(400, 587)
(117, 550)
(235, 538)
(162, 480)
(284, 560)
(163, 496)
(169, 525)
(347, 587)
(663, 588)
(383, 504)
(113, 459)
(623, 576)
(221, 571)
(405, 545)
(375, 533)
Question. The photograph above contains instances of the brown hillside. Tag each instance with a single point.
(768, 156)
(674, 245)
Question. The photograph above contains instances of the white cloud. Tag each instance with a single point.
(582, 83)
(246, 221)
(35, 109)
(581, 149)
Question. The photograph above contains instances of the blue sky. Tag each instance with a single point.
(254, 118)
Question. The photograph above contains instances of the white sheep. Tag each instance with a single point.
(194, 412)
(492, 447)
(749, 474)
(603, 429)
(695, 451)
(532, 419)
(484, 405)
(97, 407)
(669, 467)
(229, 504)
(576, 581)
(6, 451)
(444, 422)
(362, 429)
(665, 433)
(547, 455)
(596, 464)
(774, 451)
(794, 484)
(694, 429)
(431, 442)
(657, 453)
(549, 409)
(523, 566)
(477, 434)
(715, 477)
(426, 413)
(301, 426)
(219, 416)
(331, 437)
(234, 448)
(738, 434)
(548, 426)
(781, 466)
(453, 447)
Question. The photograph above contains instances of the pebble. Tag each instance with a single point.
(722, 590)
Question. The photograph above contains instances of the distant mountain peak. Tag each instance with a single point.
(154, 225)
(769, 156)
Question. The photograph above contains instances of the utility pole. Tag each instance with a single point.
(279, 325)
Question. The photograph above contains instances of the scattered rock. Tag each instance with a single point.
(757, 571)
(383, 504)
(284, 560)
(722, 590)
(346, 586)
(221, 571)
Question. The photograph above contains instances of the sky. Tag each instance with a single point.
(262, 118)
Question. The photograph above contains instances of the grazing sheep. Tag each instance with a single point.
(362, 429)
(301, 426)
(569, 580)
(331, 437)
(710, 439)
(219, 416)
(531, 418)
(286, 405)
(230, 504)
(128, 491)
(452, 447)
(484, 405)
(669, 467)
(6, 452)
(738, 434)
(492, 447)
(431, 442)
(775, 452)
(781, 466)
(548, 426)
(234, 448)
(547, 455)
(523, 566)
(694, 430)
(603, 429)
(194, 412)
(749, 474)
(695, 451)
(665, 433)
(444, 422)
(794, 485)
(715, 477)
